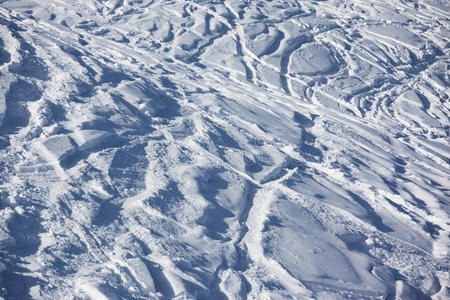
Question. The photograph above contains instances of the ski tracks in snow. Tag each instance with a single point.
(224, 149)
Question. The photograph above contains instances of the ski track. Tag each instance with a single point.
(224, 149)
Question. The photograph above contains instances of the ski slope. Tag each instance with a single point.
(224, 149)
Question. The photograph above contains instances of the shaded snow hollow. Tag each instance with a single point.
(224, 149)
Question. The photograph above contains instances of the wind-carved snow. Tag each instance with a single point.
(224, 149)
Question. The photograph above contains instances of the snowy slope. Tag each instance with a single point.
(154, 149)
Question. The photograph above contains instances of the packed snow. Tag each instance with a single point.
(201, 149)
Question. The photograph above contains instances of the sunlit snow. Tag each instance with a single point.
(188, 149)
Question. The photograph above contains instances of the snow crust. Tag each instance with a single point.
(190, 149)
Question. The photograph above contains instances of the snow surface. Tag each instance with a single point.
(156, 149)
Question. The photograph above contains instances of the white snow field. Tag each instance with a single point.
(224, 149)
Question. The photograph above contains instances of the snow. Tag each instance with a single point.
(2, 109)
(224, 149)
(312, 60)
